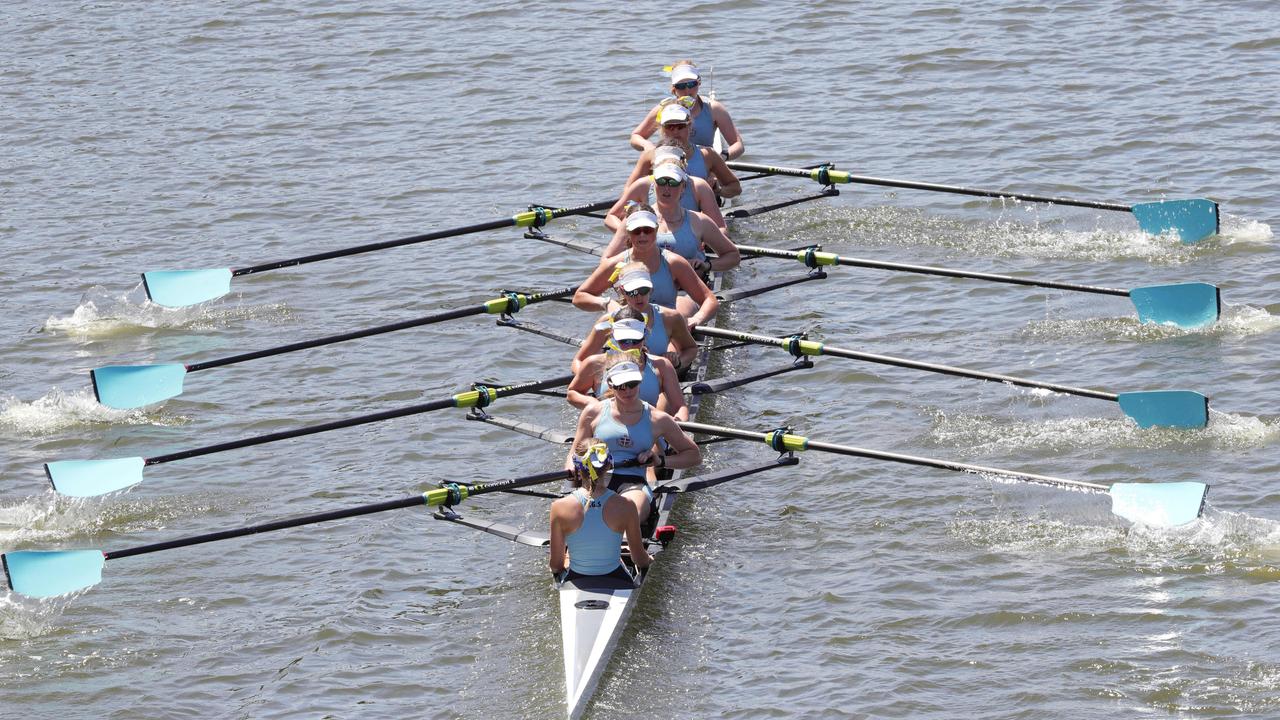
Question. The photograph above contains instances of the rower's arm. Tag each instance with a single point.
(558, 560)
(581, 392)
(688, 280)
(680, 337)
(671, 398)
(706, 198)
(583, 431)
(645, 130)
(591, 345)
(682, 452)
(730, 131)
(727, 255)
(635, 191)
(590, 294)
(644, 166)
(635, 544)
(725, 179)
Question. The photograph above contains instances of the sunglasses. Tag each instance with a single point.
(643, 230)
(638, 292)
(686, 85)
(666, 181)
(628, 385)
(676, 126)
(629, 343)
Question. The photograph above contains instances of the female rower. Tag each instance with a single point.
(590, 522)
(674, 124)
(669, 273)
(686, 232)
(659, 386)
(695, 195)
(668, 331)
(707, 114)
(631, 428)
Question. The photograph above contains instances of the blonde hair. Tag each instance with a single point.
(584, 479)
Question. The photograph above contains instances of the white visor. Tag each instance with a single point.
(628, 329)
(673, 113)
(670, 171)
(623, 373)
(681, 73)
(643, 218)
(635, 279)
(668, 153)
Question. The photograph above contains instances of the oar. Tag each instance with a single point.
(179, 288)
(1192, 220)
(1161, 408)
(87, 478)
(45, 574)
(1151, 504)
(132, 386)
(1187, 305)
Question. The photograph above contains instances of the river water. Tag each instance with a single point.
(179, 135)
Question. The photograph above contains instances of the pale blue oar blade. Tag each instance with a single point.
(1192, 220)
(132, 386)
(1187, 305)
(87, 478)
(180, 288)
(1158, 504)
(49, 574)
(1166, 408)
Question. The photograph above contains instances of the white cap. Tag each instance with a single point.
(670, 170)
(623, 373)
(667, 153)
(633, 279)
(680, 73)
(641, 218)
(673, 113)
(629, 329)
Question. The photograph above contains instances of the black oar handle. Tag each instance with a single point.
(468, 399)
(843, 177)
(413, 239)
(799, 443)
(800, 347)
(518, 300)
(410, 501)
(817, 258)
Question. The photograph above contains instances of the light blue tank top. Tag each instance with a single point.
(697, 165)
(625, 441)
(664, 283)
(682, 242)
(650, 384)
(704, 126)
(594, 549)
(657, 341)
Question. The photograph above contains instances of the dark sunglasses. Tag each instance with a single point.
(643, 230)
(676, 126)
(667, 182)
(686, 85)
(628, 343)
(638, 292)
(628, 386)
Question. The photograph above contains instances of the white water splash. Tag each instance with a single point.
(1236, 321)
(982, 435)
(59, 410)
(1242, 231)
(102, 314)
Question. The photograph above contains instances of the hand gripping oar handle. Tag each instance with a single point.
(812, 257)
(828, 176)
(799, 348)
(480, 396)
(535, 217)
(786, 442)
(506, 305)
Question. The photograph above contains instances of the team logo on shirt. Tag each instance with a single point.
(624, 441)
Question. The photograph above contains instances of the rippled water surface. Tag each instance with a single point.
(183, 135)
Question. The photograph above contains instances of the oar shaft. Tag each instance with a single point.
(467, 399)
(498, 305)
(837, 176)
(433, 497)
(799, 443)
(521, 220)
(819, 258)
(810, 347)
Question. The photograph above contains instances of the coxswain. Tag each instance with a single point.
(669, 273)
(588, 524)
(707, 115)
